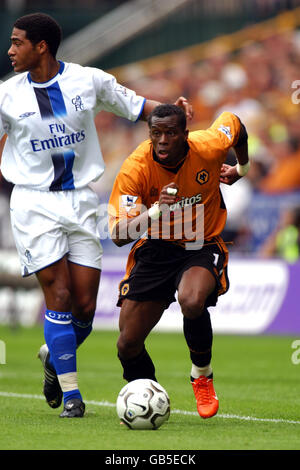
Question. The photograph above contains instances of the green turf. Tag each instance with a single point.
(254, 377)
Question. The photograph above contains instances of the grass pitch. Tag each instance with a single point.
(255, 379)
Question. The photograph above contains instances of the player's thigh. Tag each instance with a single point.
(40, 239)
(137, 319)
(84, 244)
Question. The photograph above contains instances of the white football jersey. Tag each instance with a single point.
(52, 141)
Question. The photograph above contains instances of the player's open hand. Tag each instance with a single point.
(229, 174)
(183, 103)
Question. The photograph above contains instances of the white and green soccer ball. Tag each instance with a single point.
(143, 404)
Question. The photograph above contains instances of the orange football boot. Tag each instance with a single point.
(206, 398)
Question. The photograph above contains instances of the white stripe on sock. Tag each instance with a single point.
(68, 381)
(58, 321)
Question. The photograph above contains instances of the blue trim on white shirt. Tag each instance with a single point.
(141, 111)
(60, 71)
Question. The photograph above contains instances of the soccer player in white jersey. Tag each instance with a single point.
(51, 155)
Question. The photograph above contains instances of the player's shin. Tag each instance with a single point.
(139, 367)
(199, 337)
(82, 329)
(61, 341)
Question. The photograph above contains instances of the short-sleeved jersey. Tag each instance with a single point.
(52, 140)
(141, 179)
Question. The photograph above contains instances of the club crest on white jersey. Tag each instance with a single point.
(52, 142)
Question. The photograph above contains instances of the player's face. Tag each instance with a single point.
(23, 54)
(168, 139)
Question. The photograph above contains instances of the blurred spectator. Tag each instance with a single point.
(284, 242)
(237, 199)
(284, 173)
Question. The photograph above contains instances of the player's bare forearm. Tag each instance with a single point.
(182, 102)
(242, 154)
(148, 107)
(129, 230)
(231, 174)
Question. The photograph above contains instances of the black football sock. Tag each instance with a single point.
(139, 367)
(199, 337)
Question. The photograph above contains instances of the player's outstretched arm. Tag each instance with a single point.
(148, 107)
(182, 102)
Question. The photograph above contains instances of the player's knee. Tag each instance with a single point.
(192, 306)
(60, 298)
(127, 346)
(84, 310)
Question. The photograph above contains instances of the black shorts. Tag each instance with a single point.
(157, 266)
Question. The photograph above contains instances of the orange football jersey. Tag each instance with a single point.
(199, 208)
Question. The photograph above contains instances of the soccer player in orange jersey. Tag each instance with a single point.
(51, 155)
(167, 199)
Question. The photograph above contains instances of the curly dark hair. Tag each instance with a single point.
(164, 110)
(41, 27)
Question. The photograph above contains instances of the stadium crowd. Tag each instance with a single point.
(254, 75)
(258, 81)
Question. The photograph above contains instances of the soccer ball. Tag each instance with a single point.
(143, 404)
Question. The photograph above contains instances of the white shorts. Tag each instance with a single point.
(50, 224)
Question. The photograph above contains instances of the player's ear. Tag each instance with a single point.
(186, 133)
(42, 47)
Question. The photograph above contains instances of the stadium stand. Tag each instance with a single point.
(248, 64)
